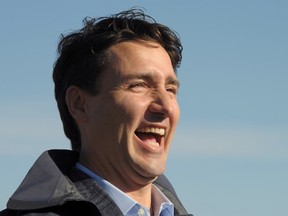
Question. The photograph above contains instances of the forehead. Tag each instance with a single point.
(145, 56)
(130, 61)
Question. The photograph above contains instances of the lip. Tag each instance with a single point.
(151, 148)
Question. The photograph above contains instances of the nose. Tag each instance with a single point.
(163, 105)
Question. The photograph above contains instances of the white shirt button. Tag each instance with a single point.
(141, 212)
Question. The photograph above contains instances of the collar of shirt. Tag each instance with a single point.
(160, 203)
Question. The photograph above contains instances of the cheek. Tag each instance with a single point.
(131, 107)
(178, 112)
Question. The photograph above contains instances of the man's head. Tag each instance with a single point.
(85, 55)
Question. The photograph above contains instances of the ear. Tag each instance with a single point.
(76, 102)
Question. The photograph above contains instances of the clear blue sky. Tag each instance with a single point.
(230, 152)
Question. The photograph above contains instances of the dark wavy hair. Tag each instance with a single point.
(84, 54)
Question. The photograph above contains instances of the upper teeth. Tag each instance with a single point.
(160, 131)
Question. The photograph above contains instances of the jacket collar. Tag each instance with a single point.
(46, 184)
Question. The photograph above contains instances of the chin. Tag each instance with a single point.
(149, 166)
(153, 170)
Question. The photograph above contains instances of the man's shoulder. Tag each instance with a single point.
(68, 209)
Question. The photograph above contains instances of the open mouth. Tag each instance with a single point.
(151, 135)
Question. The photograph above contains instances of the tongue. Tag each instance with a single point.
(146, 137)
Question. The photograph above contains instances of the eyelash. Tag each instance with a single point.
(138, 84)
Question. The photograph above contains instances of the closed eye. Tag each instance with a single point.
(172, 90)
(137, 86)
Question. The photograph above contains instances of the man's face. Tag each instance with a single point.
(133, 117)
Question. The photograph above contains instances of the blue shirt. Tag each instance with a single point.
(162, 206)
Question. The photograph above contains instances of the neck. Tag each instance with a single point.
(142, 196)
(133, 185)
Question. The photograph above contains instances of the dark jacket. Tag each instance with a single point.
(54, 187)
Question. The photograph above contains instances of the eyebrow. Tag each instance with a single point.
(172, 81)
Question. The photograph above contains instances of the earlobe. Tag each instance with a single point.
(75, 100)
